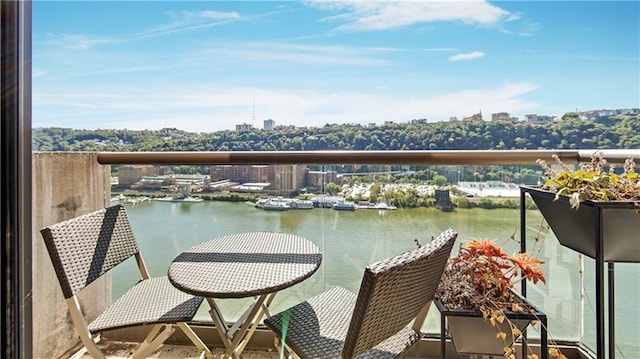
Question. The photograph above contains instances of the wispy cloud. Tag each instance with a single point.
(315, 55)
(73, 41)
(466, 56)
(214, 15)
(241, 61)
(381, 15)
(508, 97)
(441, 49)
(211, 107)
(184, 21)
(529, 29)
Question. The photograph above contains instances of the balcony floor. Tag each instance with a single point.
(122, 350)
(115, 349)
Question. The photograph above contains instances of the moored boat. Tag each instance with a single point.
(275, 205)
(344, 206)
(383, 205)
(187, 199)
(302, 204)
(378, 206)
(183, 197)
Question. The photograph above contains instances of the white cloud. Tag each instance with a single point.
(440, 49)
(314, 55)
(529, 29)
(264, 58)
(381, 15)
(186, 21)
(507, 97)
(38, 72)
(72, 41)
(210, 107)
(466, 56)
(183, 22)
(214, 15)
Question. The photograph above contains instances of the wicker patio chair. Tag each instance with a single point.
(382, 321)
(85, 248)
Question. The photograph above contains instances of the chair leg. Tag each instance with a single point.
(92, 347)
(282, 348)
(154, 340)
(81, 328)
(195, 339)
(420, 318)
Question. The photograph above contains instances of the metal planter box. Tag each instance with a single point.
(472, 334)
(614, 226)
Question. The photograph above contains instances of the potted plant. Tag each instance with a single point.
(476, 295)
(593, 210)
(596, 212)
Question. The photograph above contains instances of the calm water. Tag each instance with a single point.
(351, 240)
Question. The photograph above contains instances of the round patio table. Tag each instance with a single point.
(250, 264)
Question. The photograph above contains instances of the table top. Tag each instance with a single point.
(245, 264)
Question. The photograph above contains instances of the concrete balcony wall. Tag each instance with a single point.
(65, 185)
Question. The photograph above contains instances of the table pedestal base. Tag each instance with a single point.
(235, 336)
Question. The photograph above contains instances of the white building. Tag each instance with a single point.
(245, 127)
(269, 125)
(489, 189)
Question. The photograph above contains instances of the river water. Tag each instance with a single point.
(350, 240)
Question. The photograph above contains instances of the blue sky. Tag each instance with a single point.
(208, 65)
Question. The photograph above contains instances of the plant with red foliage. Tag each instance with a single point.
(482, 277)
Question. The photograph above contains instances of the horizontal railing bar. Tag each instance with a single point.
(612, 156)
(442, 157)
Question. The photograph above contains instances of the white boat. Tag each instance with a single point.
(383, 205)
(261, 202)
(282, 204)
(302, 204)
(187, 199)
(275, 205)
(183, 197)
(129, 199)
(344, 206)
(121, 198)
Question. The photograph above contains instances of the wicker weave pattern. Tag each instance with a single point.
(86, 247)
(245, 264)
(373, 324)
(317, 328)
(142, 304)
(393, 292)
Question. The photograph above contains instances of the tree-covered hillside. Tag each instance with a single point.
(569, 133)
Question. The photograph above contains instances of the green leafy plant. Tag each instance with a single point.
(592, 182)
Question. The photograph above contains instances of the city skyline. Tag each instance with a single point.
(208, 65)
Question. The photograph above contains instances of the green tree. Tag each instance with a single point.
(440, 180)
(374, 192)
(333, 188)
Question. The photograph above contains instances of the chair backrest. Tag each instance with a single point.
(84, 248)
(394, 291)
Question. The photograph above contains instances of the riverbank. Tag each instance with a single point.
(462, 202)
(207, 196)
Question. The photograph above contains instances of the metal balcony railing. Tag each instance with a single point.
(449, 157)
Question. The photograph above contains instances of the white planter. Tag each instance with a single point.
(472, 334)
(475, 335)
